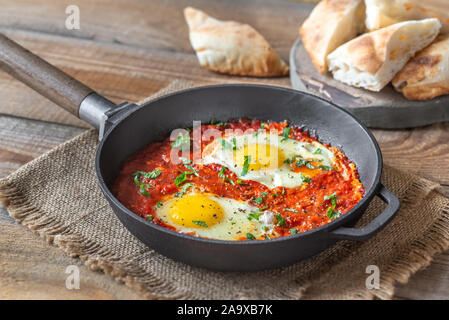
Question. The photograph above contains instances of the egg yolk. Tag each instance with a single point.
(260, 156)
(196, 211)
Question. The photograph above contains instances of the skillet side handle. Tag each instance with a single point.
(374, 226)
(38, 74)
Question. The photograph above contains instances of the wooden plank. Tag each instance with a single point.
(127, 56)
(424, 151)
(31, 269)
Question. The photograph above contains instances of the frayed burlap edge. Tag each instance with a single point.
(435, 240)
(94, 256)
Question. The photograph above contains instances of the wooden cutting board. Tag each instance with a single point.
(386, 109)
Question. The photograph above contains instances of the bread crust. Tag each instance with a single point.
(426, 76)
(331, 23)
(231, 47)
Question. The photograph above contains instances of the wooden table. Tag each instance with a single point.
(127, 50)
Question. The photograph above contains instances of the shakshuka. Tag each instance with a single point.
(253, 180)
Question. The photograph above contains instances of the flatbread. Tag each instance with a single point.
(426, 76)
(231, 47)
(383, 13)
(372, 60)
(330, 24)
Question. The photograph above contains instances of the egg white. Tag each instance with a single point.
(278, 176)
(234, 224)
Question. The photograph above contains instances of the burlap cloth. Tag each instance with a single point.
(57, 196)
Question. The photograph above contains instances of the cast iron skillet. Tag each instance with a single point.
(126, 128)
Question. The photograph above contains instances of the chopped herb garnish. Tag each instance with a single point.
(262, 125)
(182, 177)
(159, 204)
(182, 142)
(317, 151)
(200, 223)
(280, 219)
(250, 236)
(149, 175)
(149, 218)
(264, 194)
(258, 200)
(246, 165)
(221, 173)
(325, 168)
(332, 213)
(333, 197)
(291, 210)
(293, 231)
(240, 181)
(184, 190)
(221, 124)
(225, 144)
(285, 133)
(304, 178)
(225, 178)
(255, 215)
(267, 237)
(310, 166)
(292, 158)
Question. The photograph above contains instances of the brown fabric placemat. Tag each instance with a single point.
(57, 196)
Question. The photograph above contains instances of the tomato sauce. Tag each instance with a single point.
(142, 195)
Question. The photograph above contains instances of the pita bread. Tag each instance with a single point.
(331, 23)
(383, 13)
(372, 60)
(426, 76)
(231, 47)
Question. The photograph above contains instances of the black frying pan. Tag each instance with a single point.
(126, 128)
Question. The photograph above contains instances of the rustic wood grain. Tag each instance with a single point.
(128, 56)
(127, 50)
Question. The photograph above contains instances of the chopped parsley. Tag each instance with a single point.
(159, 204)
(182, 142)
(150, 218)
(262, 125)
(258, 200)
(285, 133)
(264, 194)
(182, 177)
(333, 197)
(245, 165)
(184, 190)
(292, 158)
(221, 124)
(293, 231)
(225, 178)
(255, 215)
(250, 236)
(304, 178)
(317, 151)
(280, 219)
(332, 213)
(149, 175)
(200, 223)
(227, 145)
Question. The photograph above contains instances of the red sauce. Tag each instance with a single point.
(308, 199)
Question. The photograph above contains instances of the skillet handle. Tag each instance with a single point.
(49, 81)
(374, 226)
